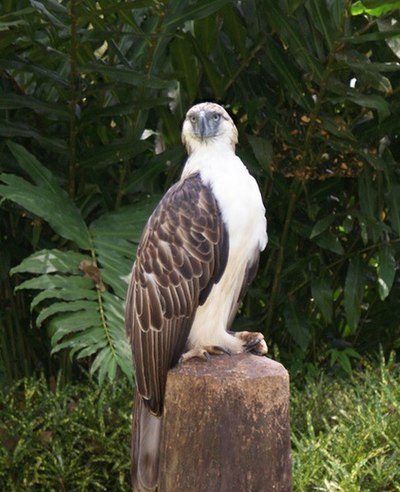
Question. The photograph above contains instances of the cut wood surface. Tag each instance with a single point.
(226, 426)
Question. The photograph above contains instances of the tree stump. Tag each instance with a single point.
(226, 427)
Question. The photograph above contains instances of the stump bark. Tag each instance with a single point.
(226, 427)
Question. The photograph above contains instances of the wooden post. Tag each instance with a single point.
(226, 427)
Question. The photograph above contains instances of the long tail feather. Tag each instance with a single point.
(145, 448)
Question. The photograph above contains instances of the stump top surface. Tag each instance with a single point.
(231, 366)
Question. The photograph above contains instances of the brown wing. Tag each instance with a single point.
(182, 254)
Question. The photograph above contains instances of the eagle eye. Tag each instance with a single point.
(193, 118)
(216, 116)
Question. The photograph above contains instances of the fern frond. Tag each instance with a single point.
(80, 294)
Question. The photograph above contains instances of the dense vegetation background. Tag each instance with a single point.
(92, 100)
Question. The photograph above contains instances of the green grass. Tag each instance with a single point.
(75, 438)
(345, 434)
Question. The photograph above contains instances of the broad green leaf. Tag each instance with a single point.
(215, 79)
(13, 101)
(39, 173)
(363, 228)
(368, 199)
(75, 343)
(108, 368)
(327, 240)
(353, 292)
(66, 294)
(348, 224)
(128, 76)
(338, 10)
(92, 345)
(49, 15)
(336, 126)
(199, 10)
(124, 358)
(322, 294)
(294, 38)
(99, 360)
(374, 8)
(322, 225)
(4, 26)
(286, 74)
(114, 309)
(52, 206)
(30, 66)
(262, 149)
(11, 129)
(375, 36)
(116, 275)
(343, 357)
(375, 66)
(55, 281)
(185, 64)
(89, 343)
(126, 222)
(205, 33)
(104, 364)
(62, 307)
(376, 81)
(386, 271)
(394, 209)
(234, 28)
(115, 152)
(373, 101)
(46, 200)
(70, 325)
(94, 9)
(297, 325)
(94, 113)
(322, 20)
(50, 261)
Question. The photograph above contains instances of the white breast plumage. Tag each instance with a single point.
(243, 212)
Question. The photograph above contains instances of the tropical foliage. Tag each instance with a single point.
(93, 95)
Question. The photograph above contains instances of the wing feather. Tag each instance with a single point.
(182, 254)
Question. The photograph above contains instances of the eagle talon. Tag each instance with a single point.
(218, 350)
(253, 342)
(203, 353)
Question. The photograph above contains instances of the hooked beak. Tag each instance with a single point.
(202, 122)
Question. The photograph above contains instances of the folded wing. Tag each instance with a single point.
(182, 254)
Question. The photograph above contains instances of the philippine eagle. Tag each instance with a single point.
(198, 253)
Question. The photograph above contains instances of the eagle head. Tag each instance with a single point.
(208, 123)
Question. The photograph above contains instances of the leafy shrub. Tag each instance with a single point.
(71, 438)
(345, 434)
